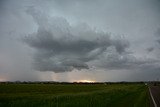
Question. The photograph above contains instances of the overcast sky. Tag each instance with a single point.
(73, 40)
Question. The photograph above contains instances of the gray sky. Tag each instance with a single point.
(74, 40)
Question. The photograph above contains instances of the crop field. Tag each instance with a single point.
(74, 95)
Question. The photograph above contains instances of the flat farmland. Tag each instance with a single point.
(74, 95)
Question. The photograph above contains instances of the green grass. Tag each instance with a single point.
(73, 95)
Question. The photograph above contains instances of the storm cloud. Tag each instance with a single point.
(62, 47)
(103, 40)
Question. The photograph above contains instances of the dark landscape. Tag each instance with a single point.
(55, 94)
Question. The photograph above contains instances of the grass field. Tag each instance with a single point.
(73, 95)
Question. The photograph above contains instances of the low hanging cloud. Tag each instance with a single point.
(157, 34)
(110, 59)
(60, 46)
(150, 49)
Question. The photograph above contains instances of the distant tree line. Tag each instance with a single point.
(55, 82)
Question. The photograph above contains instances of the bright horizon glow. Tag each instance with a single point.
(86, 81)
(2, 79)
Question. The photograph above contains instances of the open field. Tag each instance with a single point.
(74, 95)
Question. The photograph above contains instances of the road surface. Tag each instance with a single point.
(155, 96)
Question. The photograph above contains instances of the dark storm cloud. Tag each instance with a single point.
(110, 59)
(150, 49)
(121, 45)
(61, 47)
(157, 34)
(45, 40)
(71, 35)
